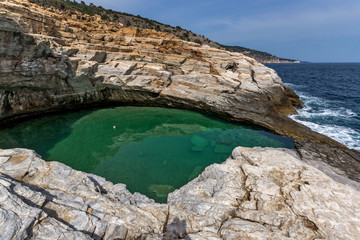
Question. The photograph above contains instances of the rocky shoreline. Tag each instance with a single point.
(256, 194)
(54, 61)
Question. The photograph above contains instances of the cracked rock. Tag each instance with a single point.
(258, 193)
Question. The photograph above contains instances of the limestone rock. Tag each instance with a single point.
(51, 199)
(258, 193)
(54, 60)
(69, 61)
(267, 193)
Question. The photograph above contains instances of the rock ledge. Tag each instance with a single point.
(258, 193)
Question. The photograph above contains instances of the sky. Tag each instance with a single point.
(307, 30)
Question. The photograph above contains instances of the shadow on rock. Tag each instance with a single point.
(175, 230)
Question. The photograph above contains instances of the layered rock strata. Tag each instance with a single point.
(256, 194)
(52, 60)
(73, 59)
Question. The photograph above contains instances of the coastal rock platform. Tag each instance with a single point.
(259, 193)
(53, 60)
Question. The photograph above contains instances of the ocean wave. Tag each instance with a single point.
(326, 117)
(318, 107)
(307, 112)
(312, 100)
(293, 86)
(330, 96)
(344, 135)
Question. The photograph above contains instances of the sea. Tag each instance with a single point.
(331, 96)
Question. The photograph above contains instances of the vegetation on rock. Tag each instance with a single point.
(259, 55)
(129, 20)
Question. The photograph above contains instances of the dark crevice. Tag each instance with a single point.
(166, 220)
(220, 227)
(30, 229)
(98, 187)
(253, 76)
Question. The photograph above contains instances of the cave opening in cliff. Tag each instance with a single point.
(152, 150)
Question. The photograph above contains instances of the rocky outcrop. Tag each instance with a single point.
(77, 59)
(91, 62)
(256, 194)
(52, 60)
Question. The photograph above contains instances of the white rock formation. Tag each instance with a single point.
(258, 193)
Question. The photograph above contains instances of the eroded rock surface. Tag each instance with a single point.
(259, 193)
(52, 60)
(55, 60)
(51, 200)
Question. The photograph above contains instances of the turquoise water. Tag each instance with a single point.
(152, 150)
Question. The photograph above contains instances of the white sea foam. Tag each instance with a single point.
(317, 108)
(344, 135)
(312, 100)
(324, 108)
(292, 85)
(307, 112)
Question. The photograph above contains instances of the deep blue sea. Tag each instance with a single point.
(331, 96)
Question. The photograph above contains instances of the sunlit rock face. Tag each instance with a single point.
(258, 193)
(54, 60)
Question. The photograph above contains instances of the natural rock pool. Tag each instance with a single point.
(152, 150)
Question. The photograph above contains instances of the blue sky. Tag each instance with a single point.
(309, 30)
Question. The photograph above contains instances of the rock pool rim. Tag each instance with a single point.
(313, 141)
(297, 131)
(12, 120)
(132, 118)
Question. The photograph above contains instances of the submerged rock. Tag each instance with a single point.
(257, 193)
(161, 190)
(199, 143)
(196, 172)
(222, 149)
(226, 139)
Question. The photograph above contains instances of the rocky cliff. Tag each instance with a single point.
(65, 58)
(52, 60)
(130, 20)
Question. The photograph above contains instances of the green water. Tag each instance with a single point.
(152, 150)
